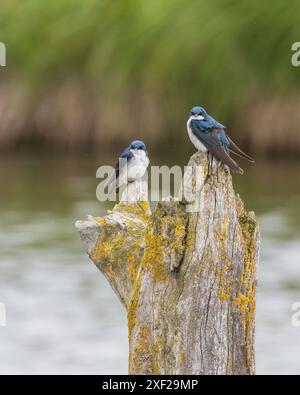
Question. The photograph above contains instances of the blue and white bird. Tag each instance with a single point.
(207, 134)
(131, 166)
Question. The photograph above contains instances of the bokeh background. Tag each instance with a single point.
(82, 79)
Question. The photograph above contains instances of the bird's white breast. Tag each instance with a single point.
(197, 143)
(137, 165)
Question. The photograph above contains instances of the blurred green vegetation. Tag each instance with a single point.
(150, 61)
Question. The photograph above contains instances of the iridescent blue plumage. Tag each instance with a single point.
(126, 155)
(131, 165)
(208, 134)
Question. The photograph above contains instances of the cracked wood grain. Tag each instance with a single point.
(186, 274)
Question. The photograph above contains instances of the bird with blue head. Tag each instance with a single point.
(207, 134)
(131, 165)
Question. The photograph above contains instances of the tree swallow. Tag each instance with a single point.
(131, 166)
(207, 134)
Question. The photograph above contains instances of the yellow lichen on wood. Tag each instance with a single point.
(133, 303)
(119, 248)
(177, 237)
(164, 236)
(108, 249)
(145, 352)
(143, 356)
(101, 221)
(153, 261)
(242, 302)
(164, 242)
(245, 300)
(225, 265)
(140, 209)
(248, 226)
(186, 278)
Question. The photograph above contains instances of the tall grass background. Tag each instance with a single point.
(82, 74)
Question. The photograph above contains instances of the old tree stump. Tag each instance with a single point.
(186, 277)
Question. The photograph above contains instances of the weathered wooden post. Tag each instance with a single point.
(186, 277)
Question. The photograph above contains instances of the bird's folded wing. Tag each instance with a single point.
(113, 181)
(123, 161)
(210, 139)
(213, 123)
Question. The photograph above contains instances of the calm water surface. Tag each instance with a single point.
(62, 317)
